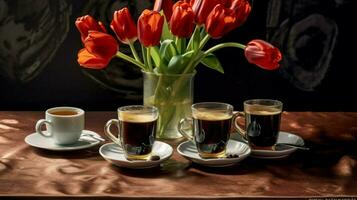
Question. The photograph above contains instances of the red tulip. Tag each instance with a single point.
(99, 50)
(88, 60)
(262, 54)
(202, 8)
(242, 10)
(124, 26)
(165, 5)
(182, 20)
(150, 28)
(226, 17)
(88, 23)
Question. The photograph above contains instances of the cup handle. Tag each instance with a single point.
(240, 130)
(39, 125)
(181, 129)
(109, 134)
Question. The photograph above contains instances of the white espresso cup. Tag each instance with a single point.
(63, 124)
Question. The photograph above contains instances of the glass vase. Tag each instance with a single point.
(172, 94)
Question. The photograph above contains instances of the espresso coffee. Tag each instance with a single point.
(262, 125)
(211, 131)
(63, 112)
(138, 133)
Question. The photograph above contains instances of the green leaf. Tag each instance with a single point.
(154, 52)
(212, 62)
(166, 52)
(178, 63)
(166, 33)
(178, 43)
(168, 49)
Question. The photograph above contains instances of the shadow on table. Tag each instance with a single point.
(239, 169)
(247, 166)
(178, 169)
(171, 168)
(331, 159)
(76, 154)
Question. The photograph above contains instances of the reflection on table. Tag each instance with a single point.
(328, 169)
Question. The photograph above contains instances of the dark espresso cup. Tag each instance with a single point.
(136, 130)
(262, 122)
(210, 125)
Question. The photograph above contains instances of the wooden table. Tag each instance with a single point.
(328, 169)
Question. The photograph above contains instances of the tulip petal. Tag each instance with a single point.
(226, 16)
(242, 10)
(88, 60)
(87, 23)
(182, 20)
(101, 44)
(124, 26)
(166, 6)
(202, 8)
(150, 25)
(263, 54)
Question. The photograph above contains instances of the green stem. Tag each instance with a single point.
(131, 60)
(183, 45)
(159, 82)
(143, 54)
(178, 44)
(197, 28)
(191, 65)
(133, 51)
(224, 45)
(148, 58)
(204, 41)
(217, 47)
(169, 102)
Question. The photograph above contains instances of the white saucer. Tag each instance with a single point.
(188, 150)
(86, 140)
(284, 137)
(114, 154)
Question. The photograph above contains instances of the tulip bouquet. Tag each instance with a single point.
(173, 43)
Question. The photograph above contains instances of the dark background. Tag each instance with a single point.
(39, 45)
